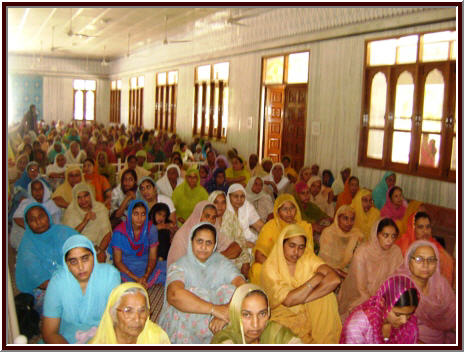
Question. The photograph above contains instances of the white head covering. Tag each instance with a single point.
(163, 184)
(284, 181)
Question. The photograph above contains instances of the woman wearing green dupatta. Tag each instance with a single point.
(249, 323)
(188, 194)
(106, 169)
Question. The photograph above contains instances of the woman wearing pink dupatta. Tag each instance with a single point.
(436, 312)
(386, 318)
(395, 206)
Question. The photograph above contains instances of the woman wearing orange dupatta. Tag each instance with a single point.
(351, 188)
(366, 213)
(419, 228)
(99, 182)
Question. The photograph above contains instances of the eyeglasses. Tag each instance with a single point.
(129, 312)
(385, 235)
(421, 260)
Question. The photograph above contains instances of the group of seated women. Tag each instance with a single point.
(251, 253)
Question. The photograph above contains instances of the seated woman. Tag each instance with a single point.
(56, 171)
(261, 200)
(289, 171)
(188, 194)
(77, 293)
(349, 192)
(387, 317)
(229, 228)
(324, 202)
(204, 211)
(420, 228)
(366, 213)
(134, 248)
(30, 173)
(90, 218)
(286, 211)
(398, 208)
(217, 182)
(148, 191)
(300, 285)
(339, 184)
(276, 180)
(373, 262)
(121, 196)
(63, 194)
(304, 175)
(37, 192)
(131, 164)
(221, 162)
(379, 193)
(203, 171)
(39, 253)
(436, 313)
(245, 212)
(310, 212)
(106, 169)
(126, 319)
(74, 155)
(170, 180)
(199, 285)
(327, 178)
(56, 148)
(339, 240)
(99, 182)
(249, 321)
(16, 168)
(238, 173)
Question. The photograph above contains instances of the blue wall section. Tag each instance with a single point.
(26, 90)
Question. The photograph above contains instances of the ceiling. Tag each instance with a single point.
(115, 32)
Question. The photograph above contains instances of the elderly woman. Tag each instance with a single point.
(387, 317)
(379, 193)
(261, 200)
(122, 195)
(245, 212)
(339, 240)
(276, 180)
(366, 213)
(323, 201)
(99, 182)
(56, 148)
(39, 253)
(126, 319)
(37, 192)
(56, 171)
(373, 262)
(300, 285)
(436, 313)
(90, 218)
(134, 248)
(63, 194)
(238, 173)
(77, 293)
(420, 228)
(74, 155)
(170, 180)
(106, 169)
(249, 320)
(199, 285)
(188, 194)
(229, 227)
(286, 211)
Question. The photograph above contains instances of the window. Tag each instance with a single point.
(84, 92)
(165, 101)
(136, 85)
(409, 105)
(115, 101)
(211, 106)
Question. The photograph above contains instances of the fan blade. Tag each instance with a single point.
(179, 41)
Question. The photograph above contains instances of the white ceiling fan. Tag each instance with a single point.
(165, 40)
(104, 61)
(235, 20)
(71, 33)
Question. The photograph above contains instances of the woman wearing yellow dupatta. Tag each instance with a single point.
(120, 322)
(299, 286)
(63, 195)
(366, 213)
(286, 211)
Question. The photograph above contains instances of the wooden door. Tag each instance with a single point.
(294, 124)
(273, 118)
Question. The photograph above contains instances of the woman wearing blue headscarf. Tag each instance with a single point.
(134, 247)
(198, 290)
(39, 253)
(77, 293)
(379, 193)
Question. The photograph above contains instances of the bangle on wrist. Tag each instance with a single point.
(212, 309)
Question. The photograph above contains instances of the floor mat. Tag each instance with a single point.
(156, 297)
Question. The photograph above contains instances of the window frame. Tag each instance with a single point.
(136, 102)
(419, 70)
(84, 100)
(165, 114)
(115, 102)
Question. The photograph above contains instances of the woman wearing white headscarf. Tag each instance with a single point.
(257, 196)
(277, 180)
(170, 180)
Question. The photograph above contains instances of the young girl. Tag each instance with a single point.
(159, 215)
